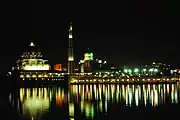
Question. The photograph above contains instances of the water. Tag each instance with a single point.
(81, 102)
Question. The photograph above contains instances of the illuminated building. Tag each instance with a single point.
(91, 65)
(32, 60)
(60, 68)
(86, 64)
(33, 66)
(164, 69)
(175, 71)
(158, 65)
(102, 66)
(70, 51)
(153, 69)
(88, 56)
(57, 67)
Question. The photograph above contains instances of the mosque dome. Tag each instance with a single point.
(88, 55)
(32, 52)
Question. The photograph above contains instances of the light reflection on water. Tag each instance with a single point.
(91, 100)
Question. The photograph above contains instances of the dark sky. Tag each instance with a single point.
(122, 32)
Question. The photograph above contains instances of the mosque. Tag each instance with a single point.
(32, 60)
(33, 66)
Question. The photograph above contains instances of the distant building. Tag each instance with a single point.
(64, 68)
(91, 65)
(87, 62)
(57, 67)
(175, 71)
(163, 69)
(101, 66)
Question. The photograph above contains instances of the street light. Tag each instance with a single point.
(136, 70)
(151, 71)
(130, 71)
(155, 70)
(125, 70)
(144, 71)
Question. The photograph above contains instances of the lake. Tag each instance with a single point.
(103, 101)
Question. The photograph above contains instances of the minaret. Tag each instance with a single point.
(70, 51)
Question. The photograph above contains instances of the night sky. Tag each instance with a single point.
(122, 32)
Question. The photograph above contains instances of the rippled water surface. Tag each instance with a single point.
(98, 102)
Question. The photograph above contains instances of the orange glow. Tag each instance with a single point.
(59, 101)
(65, 98)
(58, 67)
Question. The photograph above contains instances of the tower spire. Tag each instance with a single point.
(70, 50)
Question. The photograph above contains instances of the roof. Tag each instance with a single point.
(32, 44)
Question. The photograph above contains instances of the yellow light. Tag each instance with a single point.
(37, 67)
(28, 76)
(70, 27)
(45, 75)
(70, 36)
(71, 58)
(71, 109)
(33, 105)
(33, 76)
(21, 76)
(40, 76)
(88, 56)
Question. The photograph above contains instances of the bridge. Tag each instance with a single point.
(119, 80)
